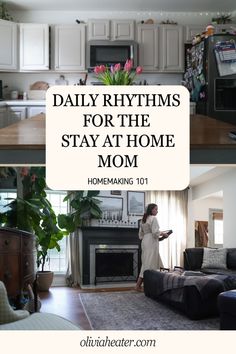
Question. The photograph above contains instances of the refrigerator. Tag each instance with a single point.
(210, 76)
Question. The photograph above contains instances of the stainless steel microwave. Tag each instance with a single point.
(111, 52)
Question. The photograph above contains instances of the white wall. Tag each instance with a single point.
(227, 184)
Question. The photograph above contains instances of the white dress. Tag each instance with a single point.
(149, 233)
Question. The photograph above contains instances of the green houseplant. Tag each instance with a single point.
(31, 211)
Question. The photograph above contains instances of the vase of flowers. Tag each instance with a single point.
(116, 74)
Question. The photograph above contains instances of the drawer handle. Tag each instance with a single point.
(26, 264)
(7, 242)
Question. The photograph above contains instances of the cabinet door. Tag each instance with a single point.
(70, 47)
(34, 47)
(123, 29)
(148, 40)
(172, 48)
(98, 29)
(15, 114)
(33, 111)
(192, 30)
(224, 28)
(3, 117)
(8, 45)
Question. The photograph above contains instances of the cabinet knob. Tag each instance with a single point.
(7, 242)
(26, 264)
(25, 243)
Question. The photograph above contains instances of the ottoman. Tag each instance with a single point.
(227, 309)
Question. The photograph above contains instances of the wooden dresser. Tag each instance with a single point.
(17, 261)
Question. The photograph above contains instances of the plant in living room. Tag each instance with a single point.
(116, 75)
(84, 207)
(31, 211)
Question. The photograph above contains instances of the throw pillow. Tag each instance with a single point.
(214, 258)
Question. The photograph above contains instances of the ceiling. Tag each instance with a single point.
(125, 5)
(204, 173)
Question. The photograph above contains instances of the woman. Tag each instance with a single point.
(149, 233)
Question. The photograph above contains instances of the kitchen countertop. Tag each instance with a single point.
(22, 103)
(210, 142)
(24, 141)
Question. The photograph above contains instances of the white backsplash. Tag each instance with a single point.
(22, 81)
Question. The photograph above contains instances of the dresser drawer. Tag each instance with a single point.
(28, 265)
(10, 273)
(28, 244)
(9, 243)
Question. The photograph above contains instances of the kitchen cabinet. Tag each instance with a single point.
(148, 40)
(34, 47)
(34, 110)
(224, 28)
(15, 114)
(8, 45)
(3, 117)
(161, 48)
(69, 47)
(110, 29)
(192, 30)
(172, 51)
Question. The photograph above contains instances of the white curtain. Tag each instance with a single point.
(73, 265)
(172, 214)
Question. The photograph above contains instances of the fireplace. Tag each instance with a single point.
(110, 254)
(113, 263)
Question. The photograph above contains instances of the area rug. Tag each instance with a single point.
(134, 311)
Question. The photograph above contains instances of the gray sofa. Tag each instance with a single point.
(193, 290)
(193, 258)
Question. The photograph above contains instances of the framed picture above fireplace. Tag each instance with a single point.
(136, 203)
(112, 207)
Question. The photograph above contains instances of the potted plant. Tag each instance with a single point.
(31, 211)
(84, 207)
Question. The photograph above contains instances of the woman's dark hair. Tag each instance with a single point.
(148, 212)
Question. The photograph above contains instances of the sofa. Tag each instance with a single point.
(193, 260)
(194, 289)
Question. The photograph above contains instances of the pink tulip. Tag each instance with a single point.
(112, 70)
(128, 65)
(139, 70)
(99, 69)
(117, 67)
(33, 178)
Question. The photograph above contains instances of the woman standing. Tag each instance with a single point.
(150, 234)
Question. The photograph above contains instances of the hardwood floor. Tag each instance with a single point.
(65, 302)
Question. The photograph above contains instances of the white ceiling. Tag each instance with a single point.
(126, 5)
(204, 173)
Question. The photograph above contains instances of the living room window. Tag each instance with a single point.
(57, 260)
(5, 196)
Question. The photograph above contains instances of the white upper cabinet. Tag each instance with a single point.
(172, 48)
(98, 29)
(110, 30)
(148, 40)
(34, 46)
(8, 45)
(192, 30)
(123, 30)
(69, 48)
(161, 48)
